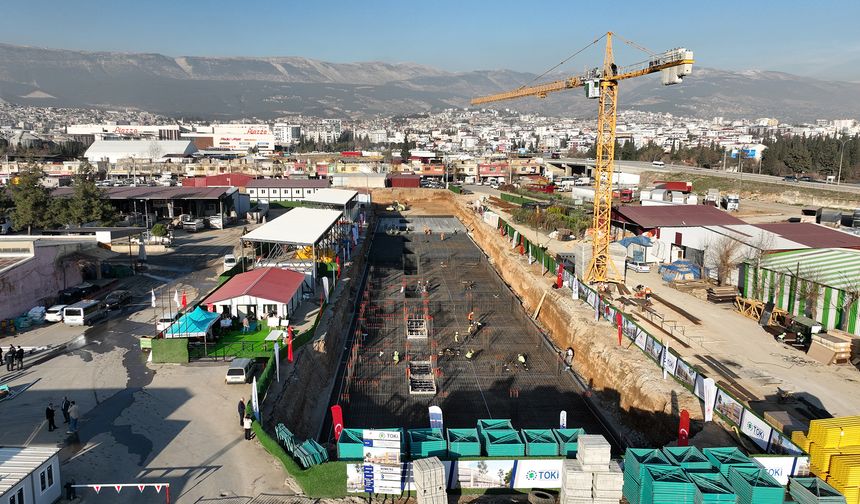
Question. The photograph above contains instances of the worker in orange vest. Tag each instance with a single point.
(647, 293)
(470, 317)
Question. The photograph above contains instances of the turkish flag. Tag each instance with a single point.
(618, 320)
(560, 279)
(289, 343)
(337, 420)
(184, 300)
(684, 428)
(337, 265)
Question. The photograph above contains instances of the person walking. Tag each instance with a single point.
(49, 416)
(19, 356)
(64, 407)
(71, 491)
(246, 325)
(247, 422)
(241, 410)
(73, 418)
(10, 358)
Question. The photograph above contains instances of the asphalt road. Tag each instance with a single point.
(642, 166)
(144, 422)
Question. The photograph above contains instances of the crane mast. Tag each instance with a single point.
(673, 65)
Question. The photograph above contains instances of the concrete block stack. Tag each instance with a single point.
(593, 478)
(429, 477)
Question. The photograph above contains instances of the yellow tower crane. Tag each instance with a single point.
(674, 65)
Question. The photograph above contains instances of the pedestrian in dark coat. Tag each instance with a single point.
(49, 416)
(19, 355)
(241, 410)
(10, 358)
(64, 407)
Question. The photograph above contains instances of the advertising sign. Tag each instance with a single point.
(381, 472)
(538, 473)
(685, 373)
(670, 361)
(436, 421)
(484, 474)
(782, 445)
(728, 407)
(757, 429)
(709, 395)
(778, 467)
(654, 348)
(641, 339)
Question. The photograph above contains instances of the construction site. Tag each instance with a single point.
(437, 326)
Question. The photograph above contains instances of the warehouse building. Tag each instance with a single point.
(271, 190)
(30, 475)
(112, 151)
(822, 284)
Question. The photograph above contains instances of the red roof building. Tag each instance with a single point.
(260, 292)
(239, 180)
(813, 235)
(647, 218)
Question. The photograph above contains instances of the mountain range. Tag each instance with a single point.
(221, 88)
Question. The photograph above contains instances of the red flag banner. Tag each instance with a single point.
(289, 343)
(337, 420)
(684, 428)
(618, 321)
(560, 280)
(141, 487)
(184, 300)
(97, 488)
(118, 488)
(157, 488)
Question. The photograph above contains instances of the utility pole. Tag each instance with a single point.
(841, 152)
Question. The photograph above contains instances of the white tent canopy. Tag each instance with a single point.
(299, 226)
(339, 197)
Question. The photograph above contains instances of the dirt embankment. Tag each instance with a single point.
(629, 386)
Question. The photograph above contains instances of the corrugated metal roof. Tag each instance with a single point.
(273, 284)
(650, 217)
(288, 183)
(332, 196)
(813, 235)
(16, 463)
(299, 226)
(156, 193)
(838, 268)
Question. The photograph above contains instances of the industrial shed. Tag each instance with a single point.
(260, 292)
(822, 284)
(155, 150)
(30, 475)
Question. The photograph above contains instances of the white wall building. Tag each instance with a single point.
(155, 150)
(243, 137)
(286, 134)
(31, 475)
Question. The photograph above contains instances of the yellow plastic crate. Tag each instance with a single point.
(800, 439)
(846, 469)
(835, 432)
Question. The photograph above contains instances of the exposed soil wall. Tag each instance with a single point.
(626, 383)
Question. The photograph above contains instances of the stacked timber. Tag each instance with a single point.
(724, 294)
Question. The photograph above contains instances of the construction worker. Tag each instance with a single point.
(456, 336)
(396, 357)
(470, 317)
(470, 354)
(521, 358)
(647, 291)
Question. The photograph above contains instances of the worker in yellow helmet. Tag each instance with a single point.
(396, 357)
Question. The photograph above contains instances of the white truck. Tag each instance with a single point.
(732, 202)
(712, 197)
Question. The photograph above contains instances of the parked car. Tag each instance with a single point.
(55, 313)
(164, 322)
(638, 266)
(117, 298)
(789, 178)
(229, 261)
(806, 178)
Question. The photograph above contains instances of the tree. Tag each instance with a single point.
(31, 199)
(159, 230)
(482, 467)
(723, 255)
(87, 203)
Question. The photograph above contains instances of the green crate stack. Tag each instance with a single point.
(286, 438)
(311, 453)
(493, 424)
(540, 443)
(425, 443)
(688, 457)
(464, 443)
(503, 443)
(813, 491)
(350, 446)
(755, 486)
(568, 441)
(667, 485)
(636, 460)
(724, 458)
(712, 488)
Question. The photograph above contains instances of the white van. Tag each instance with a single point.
(84, 312)
(658, 163)
(240, 371)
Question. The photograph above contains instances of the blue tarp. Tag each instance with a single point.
(680, 270)
(192, 325)
(635, 240)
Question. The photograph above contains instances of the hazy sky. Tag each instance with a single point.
(807, 38)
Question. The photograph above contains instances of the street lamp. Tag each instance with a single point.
(841, 152)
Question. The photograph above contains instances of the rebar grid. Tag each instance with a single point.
(493, 383)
